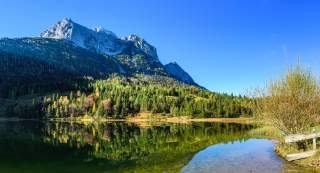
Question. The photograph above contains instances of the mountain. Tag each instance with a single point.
(135, 53)
(98, 39)
(124, 49)
(178, 73)
(79, 53)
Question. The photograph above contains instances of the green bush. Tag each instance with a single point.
(292, 103)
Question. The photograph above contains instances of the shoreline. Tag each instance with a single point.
(189, 120)
(137, 119)
(153, 120)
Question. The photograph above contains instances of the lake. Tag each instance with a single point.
(51, 147)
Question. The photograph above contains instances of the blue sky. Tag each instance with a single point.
(225, 45)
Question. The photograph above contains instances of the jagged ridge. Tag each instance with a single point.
(98, 39)
(94, 52)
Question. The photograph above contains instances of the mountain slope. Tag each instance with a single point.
(80, 52)
(21, 75)
(61, 53)
(178, 73)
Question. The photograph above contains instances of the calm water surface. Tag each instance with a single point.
(30, 146)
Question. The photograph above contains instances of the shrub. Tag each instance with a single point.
(292, 103)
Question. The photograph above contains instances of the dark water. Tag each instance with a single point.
(30, 146)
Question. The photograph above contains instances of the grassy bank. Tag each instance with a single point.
(266, 131)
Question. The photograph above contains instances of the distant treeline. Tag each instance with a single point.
(121, 97)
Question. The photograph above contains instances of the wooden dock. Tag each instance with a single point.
(303, 155)
(302, 137)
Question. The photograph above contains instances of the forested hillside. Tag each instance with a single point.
(21, 75)
(39, 65)
(121, 97)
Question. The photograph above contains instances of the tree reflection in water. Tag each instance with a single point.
(108, 147)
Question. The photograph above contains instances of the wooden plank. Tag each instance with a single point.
(300, 137)
(291, 157)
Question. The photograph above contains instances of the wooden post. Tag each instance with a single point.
(314, 142)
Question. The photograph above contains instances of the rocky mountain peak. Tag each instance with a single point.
(177, 72)
(142, 44)
(104, 41)
(61, 30)
(97, 39)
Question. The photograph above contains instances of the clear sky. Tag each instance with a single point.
(225, 45)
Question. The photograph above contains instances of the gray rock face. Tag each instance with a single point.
(98, 39)
(142, 45)
(177, 72)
